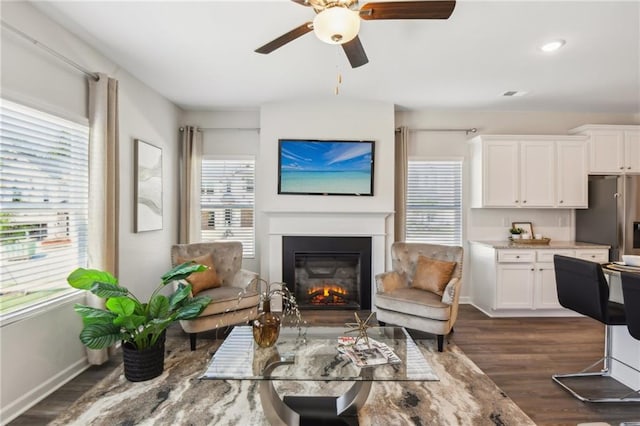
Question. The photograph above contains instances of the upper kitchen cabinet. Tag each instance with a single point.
(571, 174)
(530, 171)
(613, 149)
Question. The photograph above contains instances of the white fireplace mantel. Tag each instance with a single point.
(374, 224)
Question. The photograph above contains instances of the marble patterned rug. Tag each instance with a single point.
(463, 396)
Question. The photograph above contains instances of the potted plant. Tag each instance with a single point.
(140, 326)
(515, 232)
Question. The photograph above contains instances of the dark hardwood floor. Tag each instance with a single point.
(518, 354)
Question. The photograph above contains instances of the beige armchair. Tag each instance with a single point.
(401, 297)
(235, 300)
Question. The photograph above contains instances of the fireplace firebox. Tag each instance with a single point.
(328, 272)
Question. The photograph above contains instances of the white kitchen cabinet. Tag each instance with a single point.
(501, 170)
(525, 283)
(514, 286)
(546, 293)
(632, 151)
(537, 173)
(520, 281)
(600, 256)
(529, 171)
(571, 174)
(613, 149)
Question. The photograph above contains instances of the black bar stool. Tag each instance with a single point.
(582, 287)
(631, 295)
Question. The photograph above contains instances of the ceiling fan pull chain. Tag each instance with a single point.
(338, 74)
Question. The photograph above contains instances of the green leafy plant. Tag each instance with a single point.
(516, 231)
(128, 319)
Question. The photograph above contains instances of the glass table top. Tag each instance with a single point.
(311, 354)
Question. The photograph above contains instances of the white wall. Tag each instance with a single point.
(335, 118)
(339, 118)
(36, 357)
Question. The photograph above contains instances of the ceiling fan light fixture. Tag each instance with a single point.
(336, 25)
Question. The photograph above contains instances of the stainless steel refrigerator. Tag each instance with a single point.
(613, 216)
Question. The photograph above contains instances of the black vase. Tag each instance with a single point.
(145, 364)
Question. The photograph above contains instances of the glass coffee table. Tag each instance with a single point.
(311, 354)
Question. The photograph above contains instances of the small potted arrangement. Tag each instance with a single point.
(266, 328)
(515, 233)
(140, 326)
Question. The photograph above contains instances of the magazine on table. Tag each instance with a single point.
(363, 355)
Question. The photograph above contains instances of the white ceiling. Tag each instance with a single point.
(200, 54)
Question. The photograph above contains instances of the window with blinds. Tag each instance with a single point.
(227, 200)
(434, 202)
(44, 189)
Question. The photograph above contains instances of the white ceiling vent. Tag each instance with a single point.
(514, 93)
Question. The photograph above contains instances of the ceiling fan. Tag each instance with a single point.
(338, 22)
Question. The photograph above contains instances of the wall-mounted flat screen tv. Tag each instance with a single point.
(325, 167)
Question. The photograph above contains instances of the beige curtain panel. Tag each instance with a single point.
(103, 187)
(401, 165)
(190, 165)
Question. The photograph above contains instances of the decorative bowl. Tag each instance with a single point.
(631, 260)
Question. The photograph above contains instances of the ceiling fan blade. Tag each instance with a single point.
(355, 52)
(301, 2)
(285, 38)
(408, 10)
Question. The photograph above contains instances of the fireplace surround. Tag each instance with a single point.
(328, 272)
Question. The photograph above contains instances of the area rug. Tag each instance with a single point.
(463, 396)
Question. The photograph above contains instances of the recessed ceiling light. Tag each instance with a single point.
(510, 93)
(552, 46)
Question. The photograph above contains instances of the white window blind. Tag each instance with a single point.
(227, 201)
(43, 204)
(434, 202)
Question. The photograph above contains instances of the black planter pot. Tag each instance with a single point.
(143, 365)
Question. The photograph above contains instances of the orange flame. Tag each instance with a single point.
(320, 294)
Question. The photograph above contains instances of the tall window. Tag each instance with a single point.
(44, 189)
(227, 201)
(434, 202)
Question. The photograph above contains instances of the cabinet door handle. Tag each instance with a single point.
(540, 269)
(524, 201)
(561, 201)
(629, 168)
(533, 269)
(517, 257)
(516, 201)
(622, 168)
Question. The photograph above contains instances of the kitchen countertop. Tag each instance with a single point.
(506, 244)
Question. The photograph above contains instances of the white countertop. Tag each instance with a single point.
(506, 244)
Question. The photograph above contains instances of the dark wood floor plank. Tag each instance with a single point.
(518, 354)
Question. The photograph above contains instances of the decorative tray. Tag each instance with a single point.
(532, 241)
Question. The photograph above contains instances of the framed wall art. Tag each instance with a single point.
(148, 186)
(526, 227)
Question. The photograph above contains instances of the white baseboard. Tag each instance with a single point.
(524, 313)
(37, 394)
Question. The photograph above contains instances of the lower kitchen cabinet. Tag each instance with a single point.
(514, 286)
(520, 281)
(546, 295)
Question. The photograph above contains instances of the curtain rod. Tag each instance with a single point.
(52, 52)
(466, 131)
(204, 129)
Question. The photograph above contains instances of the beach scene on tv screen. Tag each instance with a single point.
(326, 167)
